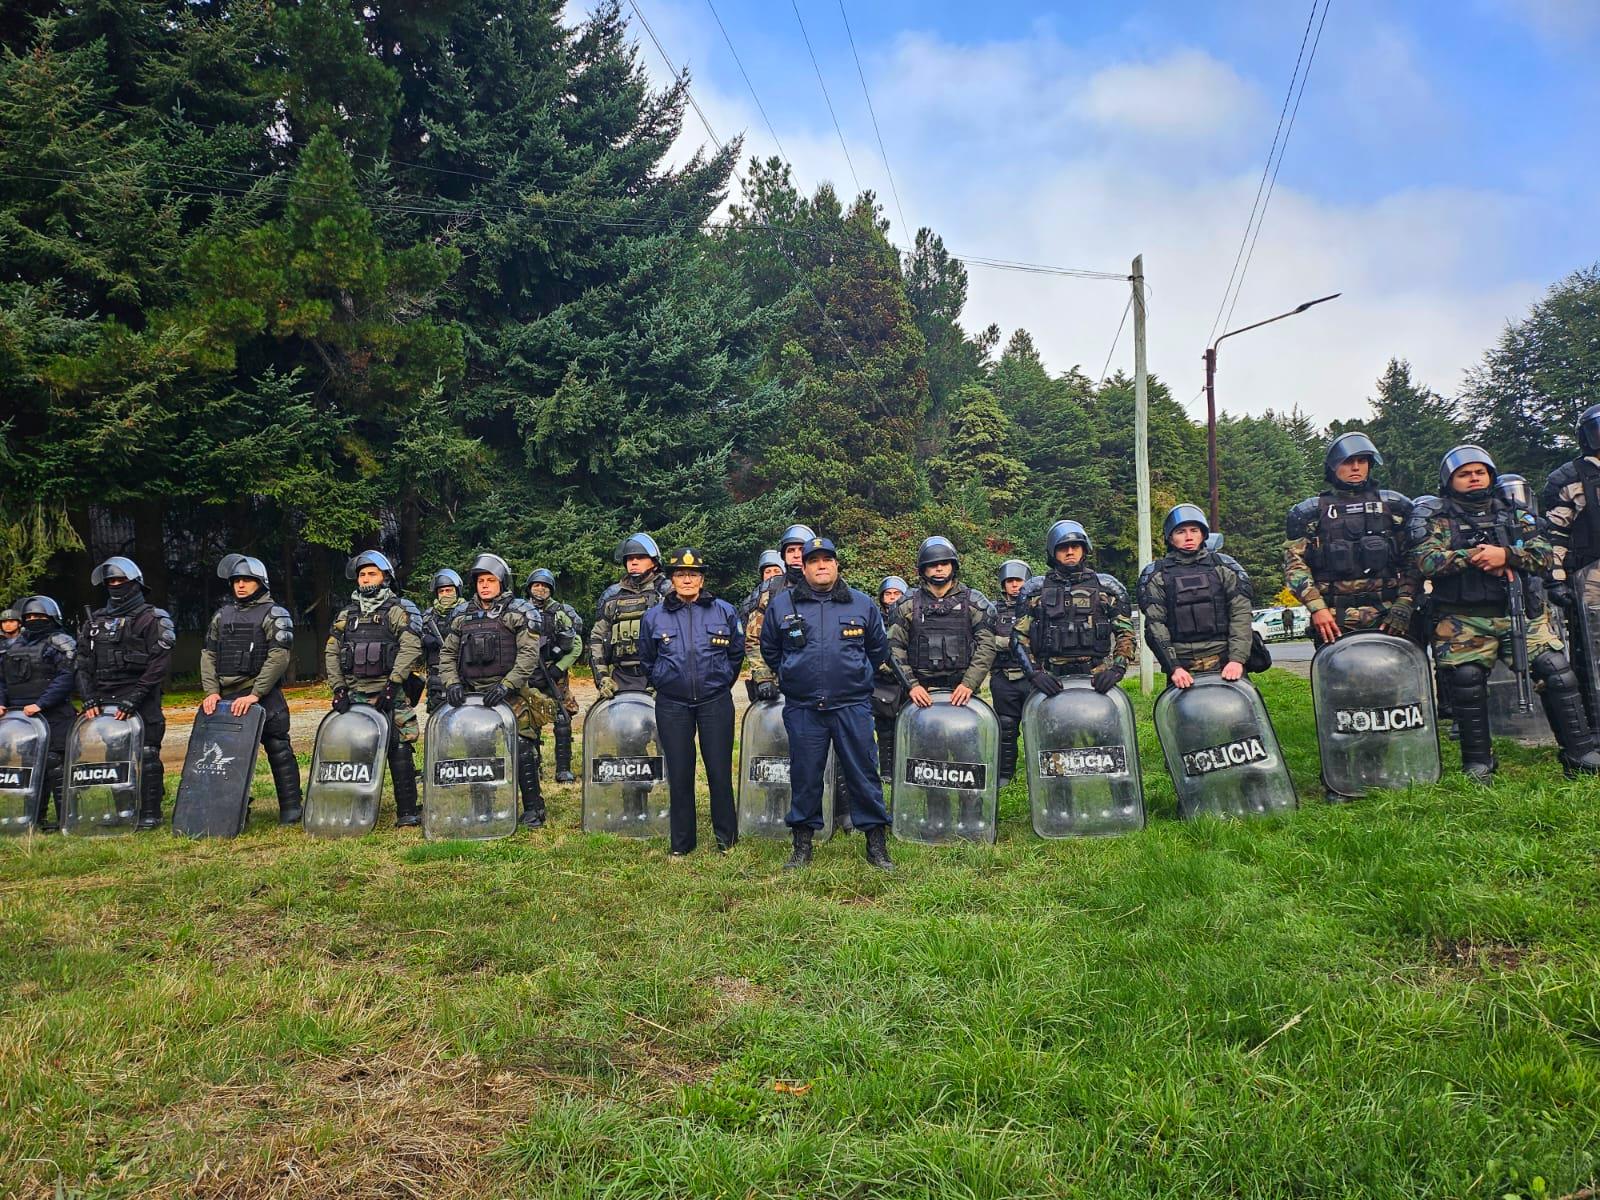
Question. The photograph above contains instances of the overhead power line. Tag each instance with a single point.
(710, 132)
(878, 133)
(826, 99)
(1117, 337)
(753, 95)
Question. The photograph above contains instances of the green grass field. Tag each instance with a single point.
(1399, 997)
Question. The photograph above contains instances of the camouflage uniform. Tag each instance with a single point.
(247, 650)
(1346, 550)
(560, 648)
(1197, 612)
(614, 637)
(373, 648)
(759, 671)
(920, 639)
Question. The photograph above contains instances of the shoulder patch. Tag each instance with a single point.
(64, 644)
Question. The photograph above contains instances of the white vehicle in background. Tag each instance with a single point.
(1281, 624)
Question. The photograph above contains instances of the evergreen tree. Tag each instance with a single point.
(1412, 426)
(977, 461)
(936, 287)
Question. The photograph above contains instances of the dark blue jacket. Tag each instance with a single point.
(691, 652)
(57, 650)
(844, 645)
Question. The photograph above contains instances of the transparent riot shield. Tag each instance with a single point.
(1373, 696)
(624, 779)
(214, 789)
(1505, 720)
(346, 780)
(103, 774)
(469, 773)
(1221, 750)
(1083, 762)
(764, 794)
(24, 751)
(946, 771)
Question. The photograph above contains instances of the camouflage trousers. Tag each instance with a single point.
(1359, 618)
(561, 692)
(1459, 639)
(1203, 664)
(533, 710)
(403, 716)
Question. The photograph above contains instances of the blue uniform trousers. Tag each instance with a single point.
(849, 730)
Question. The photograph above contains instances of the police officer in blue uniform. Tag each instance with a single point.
(824, 641)
(691, 646)
(37, 672)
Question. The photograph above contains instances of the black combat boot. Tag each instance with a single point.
(1469, 698)
(1569, 720)
(53, 779)
(533, 814)
(403, 775)
(878, 848)
(285, 778)
(1008, 752)
(802, 849)
(152, 790)
(563, 738)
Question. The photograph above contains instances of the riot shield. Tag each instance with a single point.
(764, 795)
(214, 789)
(346, 780)
(1529, 728)
(624, 779)
(24, 749)
(469, 772)
(946, 771)
(104, 774)
(1373, 696)
(1221, 750)
(1083, 762)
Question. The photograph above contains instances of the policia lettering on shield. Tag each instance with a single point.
(823, 640)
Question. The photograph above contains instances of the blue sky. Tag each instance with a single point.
(1442, 170)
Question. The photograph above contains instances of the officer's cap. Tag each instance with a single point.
(686, 558)
(819, 545)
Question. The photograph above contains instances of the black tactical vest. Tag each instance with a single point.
(1355, 538)
(242, 641)
(625, 610)
(27, 673)
(120, 649)
(486, 647)
(434, 627)
(1197, 603)
(1473, 591)
(1006, 615)
(368, 649)
(941, 632)
(1583, 538)
(1071, 622)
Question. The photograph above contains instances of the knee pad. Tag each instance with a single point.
(1554, 671)
(1470, 681)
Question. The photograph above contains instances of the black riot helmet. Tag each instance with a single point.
(769, 558)
(635, 544)
(1589, 429)
(114, 568)
(795, 535)
(490, 564)
(1514, 489)
(539, 575)
(11, 614)
(938, 549)
(41, 607)
(1184, 514)
(1345, 447)
(1460, 457)
(1014, 568)
(444, 578)
(370, 558)
(1065, 533)
(242, 566)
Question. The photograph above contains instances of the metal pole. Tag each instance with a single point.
(1141, 452)
(1211, 433)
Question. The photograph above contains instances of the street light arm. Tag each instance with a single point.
(1293, 312)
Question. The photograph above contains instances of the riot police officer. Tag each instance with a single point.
(769, 564)
(375, 645)
(436, 618)
(693, 646)
(790, 552)
(560, 646)
(887, 694)
(1196, 606)
(36, 677)
(123, 660)
(247, 651)
(614, 637)
(1078, 622)
(1345, 554)
(941, 637)
(823, 641)
(1008, 682)
(10, 626)
(493, 650)
(1475, 549)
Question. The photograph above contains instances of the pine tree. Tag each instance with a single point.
(976, 462)
(1412, 426)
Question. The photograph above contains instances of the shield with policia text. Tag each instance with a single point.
(1221, 750)
(946, 785)
(469, 779)
(103, 774)
(346, 781)
(24, 752)
(624, 778)
(1083, 762)
(1373, 696)
(764, 793)
(214, 789)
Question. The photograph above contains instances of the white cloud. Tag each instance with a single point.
(1556, 20)
(1186, 95)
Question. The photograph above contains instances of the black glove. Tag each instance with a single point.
(496, 695)
(384, 700)
(766, 691)
(1046, 683)
(455, 695)
(1560, 593)
(341, 701)
(1108, 679)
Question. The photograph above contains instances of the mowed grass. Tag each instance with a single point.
(1398, 997)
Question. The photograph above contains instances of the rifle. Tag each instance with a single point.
(1519, 640)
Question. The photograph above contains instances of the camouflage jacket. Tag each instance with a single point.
(1112, 607)
(905, 630)
(1309, 574)
(522, 619)
(405, 623)
(1443, 553)
(1170, 646)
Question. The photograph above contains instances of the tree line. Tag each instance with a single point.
(302, 278)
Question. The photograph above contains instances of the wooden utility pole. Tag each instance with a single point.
(1141, 453)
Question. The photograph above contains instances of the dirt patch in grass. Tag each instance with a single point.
(1465, 954)
(735, 991)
